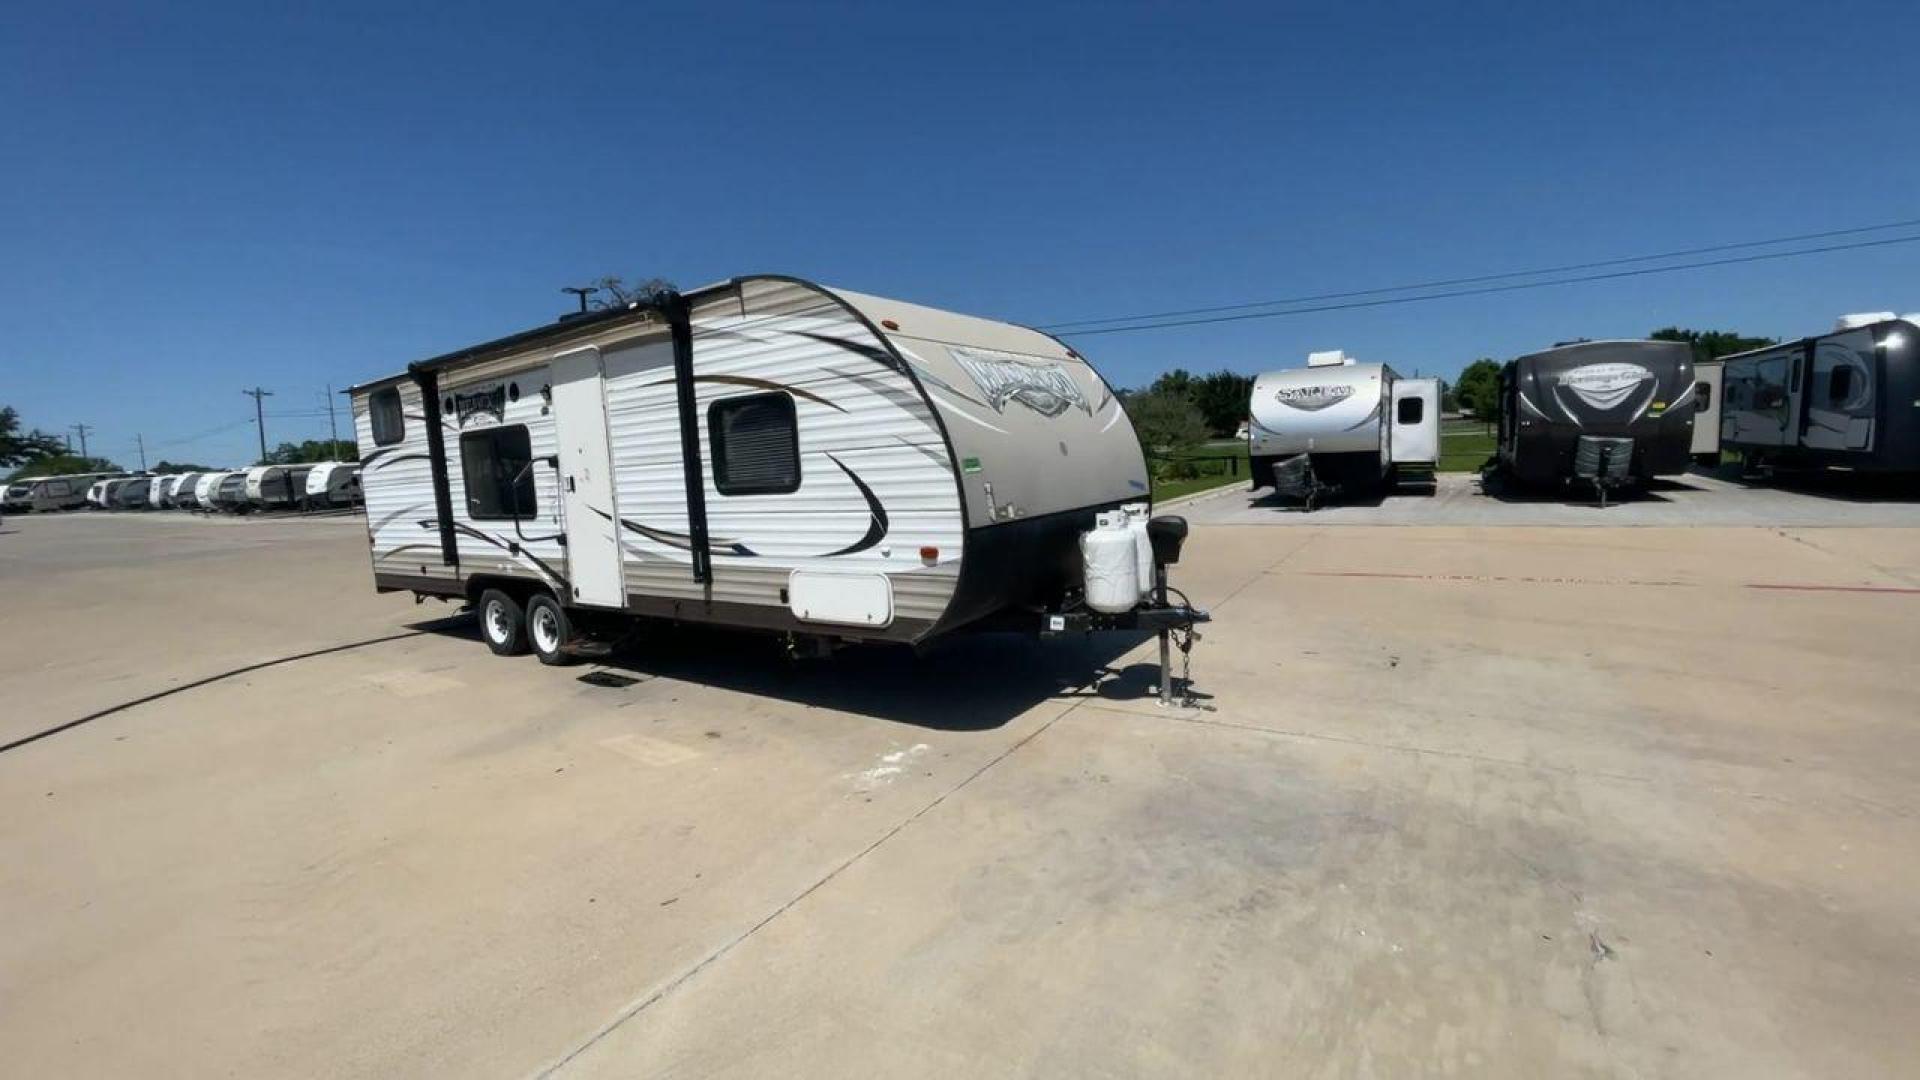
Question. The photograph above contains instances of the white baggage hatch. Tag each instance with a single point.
(846, 599)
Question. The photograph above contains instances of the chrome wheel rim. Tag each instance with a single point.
(546, 629)
(499, 627)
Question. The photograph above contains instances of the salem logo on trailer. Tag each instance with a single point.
(1605, 386)
(1044, 387)
(481, 403)
(1313, 398)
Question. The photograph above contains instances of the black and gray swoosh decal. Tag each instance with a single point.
(383, 463)
(681, 540)
(1367, 419)
(876, 514)
(757, 384)
(467, 530)
(872, 352)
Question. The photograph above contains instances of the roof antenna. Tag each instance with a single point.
(582, 292)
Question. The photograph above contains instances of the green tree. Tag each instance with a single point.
(63, 464)
(166, 466)
(1712, 344)
(1478, 389)
(615, 292)
(1168, 425)
(17, 449)
(312, 450)
(1222, 400)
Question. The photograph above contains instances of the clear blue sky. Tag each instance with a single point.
(196, 198)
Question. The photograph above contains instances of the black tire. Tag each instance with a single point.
(503, 623)
(549, 631)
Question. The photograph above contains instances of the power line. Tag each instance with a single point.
(1447, 282)
(1645, 271)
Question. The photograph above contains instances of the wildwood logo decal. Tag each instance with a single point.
(1313, 398)
(489, 402)
(1043, 387)
(1605, 386)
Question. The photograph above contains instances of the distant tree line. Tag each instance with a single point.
(312, 450)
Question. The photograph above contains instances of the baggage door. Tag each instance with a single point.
(586, 480)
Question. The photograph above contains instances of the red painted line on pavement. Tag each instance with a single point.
(1891, 590)
(1840, 588)
(1492, 577)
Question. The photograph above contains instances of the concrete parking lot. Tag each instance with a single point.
(1623, 800)
(1700, 497)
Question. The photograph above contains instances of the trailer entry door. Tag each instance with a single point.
(586, 480)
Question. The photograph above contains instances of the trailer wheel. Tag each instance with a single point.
(503, 622)
(549, 630)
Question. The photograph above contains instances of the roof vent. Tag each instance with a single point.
(1330, 358)
(1858, 319)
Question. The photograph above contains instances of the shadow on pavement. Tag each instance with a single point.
(1836, 484)
(1579, 493)
(966, 682)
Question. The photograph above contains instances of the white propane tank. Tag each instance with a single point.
(1137, 515)
(1112, 568)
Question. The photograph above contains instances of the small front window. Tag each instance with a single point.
(756, 444)
(1702, 396)
(1410, 410)
(389, 423)
(493, 466)
(1839, 384)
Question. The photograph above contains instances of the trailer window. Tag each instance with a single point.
(756, 444)
(493, 466)
(1410, 410)
(389, 424)
(1702, 396)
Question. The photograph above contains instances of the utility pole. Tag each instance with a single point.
(142, 444)
(260, 416)
(82, 429)
(333, 433)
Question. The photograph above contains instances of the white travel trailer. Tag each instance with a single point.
(1337, 424)
(180, 493)
(276, 486)
(333, 483)
(204, 487)
(765, 453)
(230, 494)
(42, 494)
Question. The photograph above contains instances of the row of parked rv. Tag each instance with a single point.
(1610, 413)
(264, 487)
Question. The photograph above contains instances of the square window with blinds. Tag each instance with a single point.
(756, 445)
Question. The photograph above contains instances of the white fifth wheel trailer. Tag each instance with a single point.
(764, 453)
(1340, 425)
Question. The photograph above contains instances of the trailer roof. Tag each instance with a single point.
(923, 322)
(1904, 319)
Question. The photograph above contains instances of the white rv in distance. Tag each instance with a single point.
(43, 494)
(762, 453)
(1340, 425)
(277, 487)
(332, 484)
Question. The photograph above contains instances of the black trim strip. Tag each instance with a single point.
(679, 319)
(437, 455)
